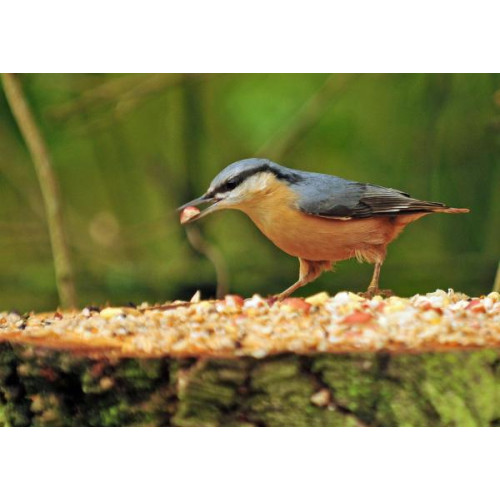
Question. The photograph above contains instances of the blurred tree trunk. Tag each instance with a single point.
(49, 186)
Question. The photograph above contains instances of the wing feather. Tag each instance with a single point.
(336, 198)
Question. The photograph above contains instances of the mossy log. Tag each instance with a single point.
(43, 386)
(428, 360)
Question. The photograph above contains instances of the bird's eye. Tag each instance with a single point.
(231, 184)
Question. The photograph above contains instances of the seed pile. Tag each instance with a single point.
(259, 327)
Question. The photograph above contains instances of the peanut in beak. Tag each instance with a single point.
(188, 214)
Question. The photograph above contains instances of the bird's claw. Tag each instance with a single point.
(278, 297)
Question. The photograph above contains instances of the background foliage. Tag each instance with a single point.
(128, 149)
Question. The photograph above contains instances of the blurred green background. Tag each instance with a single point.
(128, 149)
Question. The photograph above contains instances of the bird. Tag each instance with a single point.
(319, 218)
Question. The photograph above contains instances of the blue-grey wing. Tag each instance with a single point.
(334, 197)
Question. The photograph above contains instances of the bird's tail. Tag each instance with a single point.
(433, 207)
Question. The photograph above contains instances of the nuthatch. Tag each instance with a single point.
(319, 218)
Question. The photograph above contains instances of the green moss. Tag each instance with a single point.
(453, 389)
(399, 405)
(460, 387)
(281, 396)
(41, 387)
(48, 410)
(354, 381)
(208, 392)
(118, 414)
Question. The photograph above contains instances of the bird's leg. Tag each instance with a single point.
(309, 271)
(373, 288)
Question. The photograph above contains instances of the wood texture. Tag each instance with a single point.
(42, 387)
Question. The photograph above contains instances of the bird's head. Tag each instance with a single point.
(241, 184)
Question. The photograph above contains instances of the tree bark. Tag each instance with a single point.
(41, 387)
(49, 186)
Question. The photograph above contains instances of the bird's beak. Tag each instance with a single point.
(214, 205)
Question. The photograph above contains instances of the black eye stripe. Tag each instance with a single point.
(230, 184)
(234, 182)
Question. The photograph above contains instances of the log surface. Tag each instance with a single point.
(257, 327)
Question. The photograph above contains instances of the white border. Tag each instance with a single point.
(249, 463)
(256, 36)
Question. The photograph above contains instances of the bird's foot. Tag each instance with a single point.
(372, 292)
(279, 297)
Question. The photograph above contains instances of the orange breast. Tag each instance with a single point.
(318, 238)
